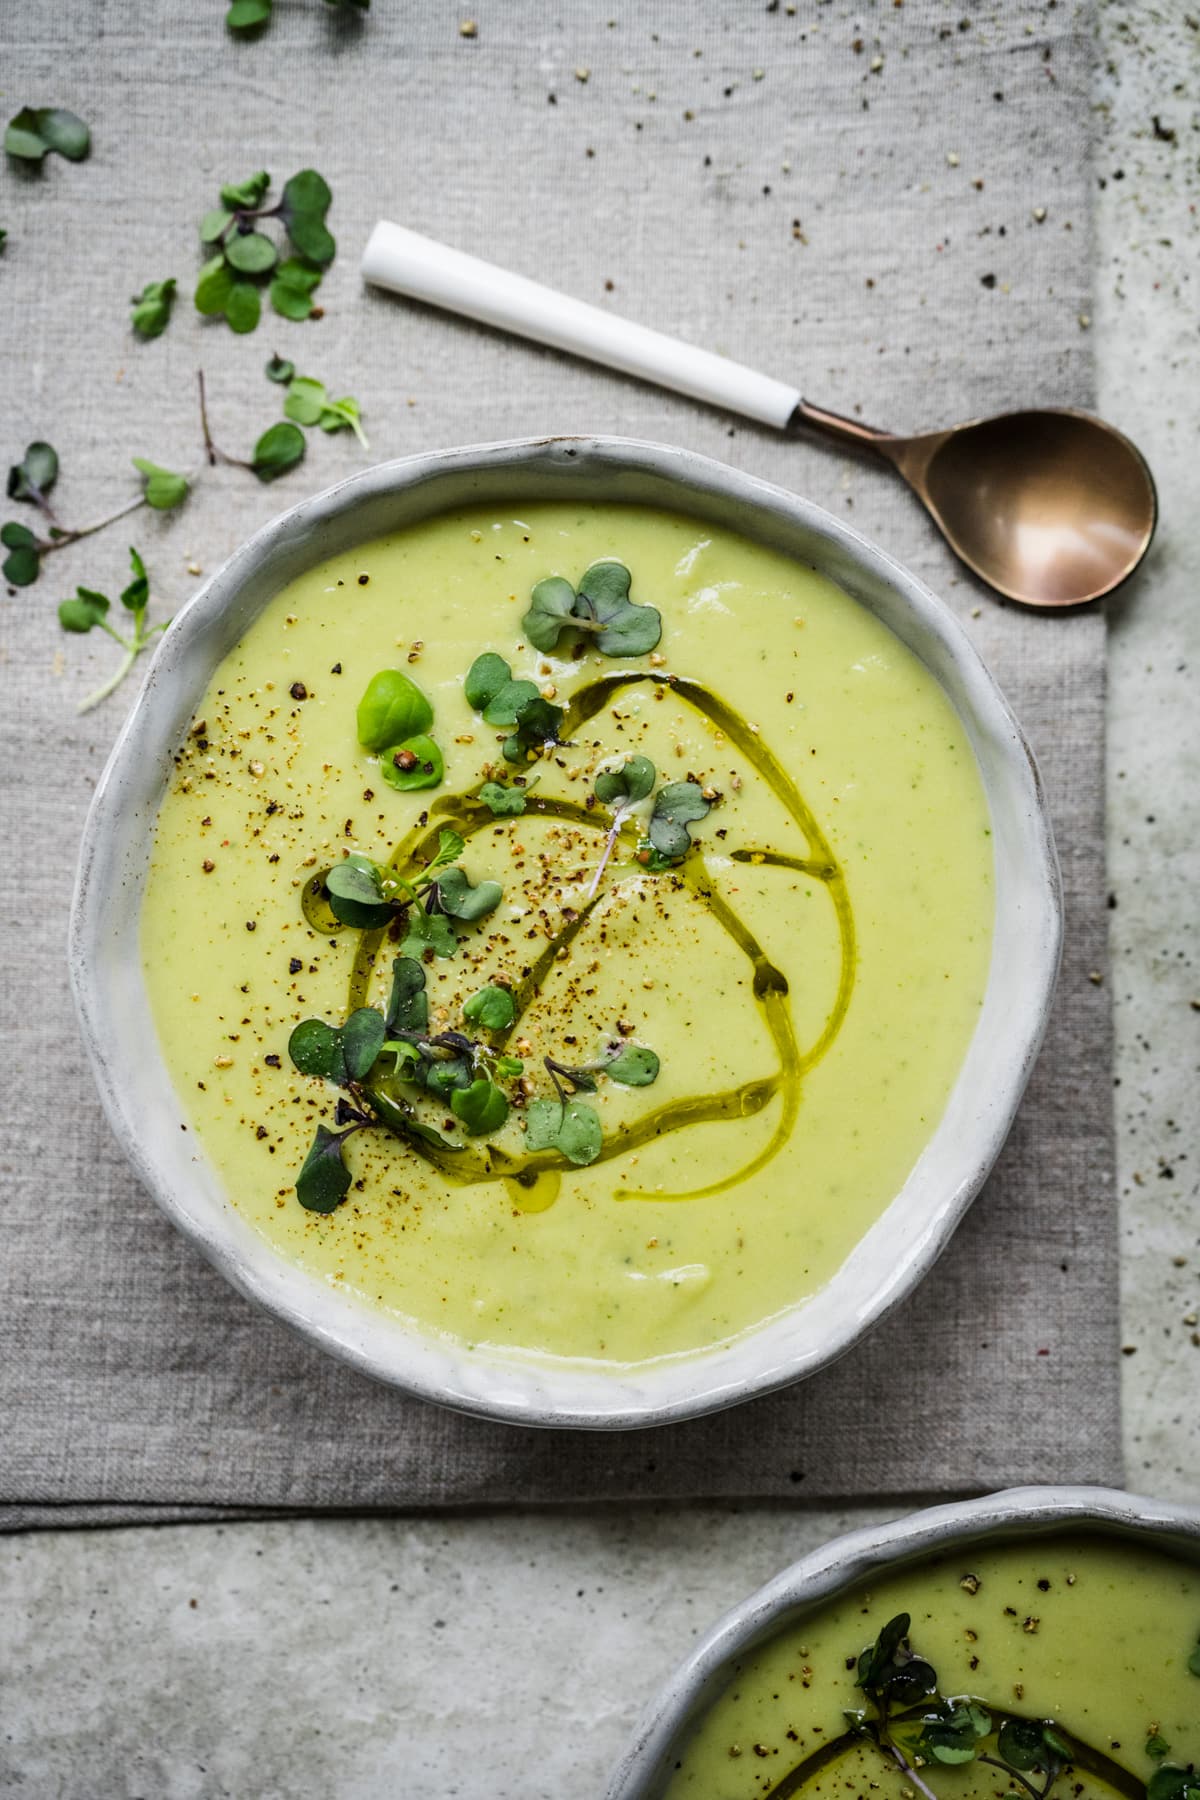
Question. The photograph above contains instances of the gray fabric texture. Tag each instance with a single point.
(842, 198)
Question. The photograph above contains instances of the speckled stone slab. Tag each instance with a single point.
(850, 200)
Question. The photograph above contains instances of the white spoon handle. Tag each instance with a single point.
(424, 270)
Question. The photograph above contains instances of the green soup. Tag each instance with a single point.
(801, 977)
(1065, 1661)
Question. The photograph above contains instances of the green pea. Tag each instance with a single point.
(392, 709)
(416, 763)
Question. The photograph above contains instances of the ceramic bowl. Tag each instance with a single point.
(145, 1111)
(866, 1555)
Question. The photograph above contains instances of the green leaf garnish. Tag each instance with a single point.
(492, 1007)
(23, 562)
(308, 403)
(601, 608)
(292, 288)
(491, 690)
(634, 1065)
(451, 844)
(1022, 1744)
(1170, 1783)
(243, 256)
(628, 784)
(537, 724)
(1194, 1661)
(162, 487)
(416, 763)
(215, 224)
(213, 286)
(953, 1736)
(243, 308)
(551, 609)
(362, 1040)
(447, 1077)
(85, 610)
(461, 900)
(502, 802)
(625, 628)
(279, 449)
(343, 1055)
(324, 1180)
(676, 805)
(250, 252)
(505, 708)
(306, 200)
(89, 609)
(392, 710)
(1157, 1746)
(152, 308)
(280, 369)
(569, 1126)
(36, 130)
(33, 477)
(889, 1666)
(408, 1004)
(136, 596)
(356, 895)
(428, 931)
(315, 1049)
(484, 679)
(481, 1107)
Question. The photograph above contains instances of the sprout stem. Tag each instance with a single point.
(112, 684)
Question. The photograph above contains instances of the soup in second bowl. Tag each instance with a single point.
(1066, 1667)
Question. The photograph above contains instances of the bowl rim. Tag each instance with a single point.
(509, 1387)
(853, 1557)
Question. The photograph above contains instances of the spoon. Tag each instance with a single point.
(1050, 506)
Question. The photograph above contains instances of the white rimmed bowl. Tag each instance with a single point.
(668, 1722)
(119, 1033)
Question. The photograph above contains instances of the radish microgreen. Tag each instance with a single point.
(89, 610)
(600, 609)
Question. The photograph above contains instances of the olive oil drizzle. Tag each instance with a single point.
(468, 814)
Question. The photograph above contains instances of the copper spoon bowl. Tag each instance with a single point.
(1051, 507)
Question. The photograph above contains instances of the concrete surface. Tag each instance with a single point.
(504, 1657)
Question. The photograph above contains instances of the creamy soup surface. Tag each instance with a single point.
(808, 975)
(1090, 1633)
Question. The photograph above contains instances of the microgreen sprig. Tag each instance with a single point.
(490, 688)
(621, 789)
(32, 479)
(279, 449)
(242, 257)
(367, 896)
(568, 1124)
(504, 802)
(152, 308)
(308, 403)
(90, 609)
(449, 1066)
(36, 130)
(676, 806)
(600, 609)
